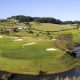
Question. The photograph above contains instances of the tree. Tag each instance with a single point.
(28, 25)
(5, 31)
(37, 20)
(30, 32)
(15, 29)
(77, 26)
(48, 34)
(22, 18)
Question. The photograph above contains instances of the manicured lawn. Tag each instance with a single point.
(30, 59)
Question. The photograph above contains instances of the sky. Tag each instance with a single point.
(60, 9)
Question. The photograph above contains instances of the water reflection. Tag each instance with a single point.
(71, 73)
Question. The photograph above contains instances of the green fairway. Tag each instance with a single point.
(30, 59)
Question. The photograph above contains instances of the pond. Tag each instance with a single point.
(71, 73)
(76, 51)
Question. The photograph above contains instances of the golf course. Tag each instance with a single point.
(39, 40)
(31, 54)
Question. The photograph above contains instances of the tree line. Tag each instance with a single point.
(22, 18)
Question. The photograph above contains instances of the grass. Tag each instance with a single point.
(33, 58)
(16, 58)
(51, 27)
(10, 24)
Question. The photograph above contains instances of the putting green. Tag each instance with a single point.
(30, 59)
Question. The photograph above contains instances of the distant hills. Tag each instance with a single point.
(22, 18)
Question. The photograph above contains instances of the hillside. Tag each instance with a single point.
(33, 49)
(52, 27)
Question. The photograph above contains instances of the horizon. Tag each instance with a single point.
(67, 10)
(40, 17)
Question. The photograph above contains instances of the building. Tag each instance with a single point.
(20, 27)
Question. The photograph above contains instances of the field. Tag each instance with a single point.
(52, 27)
(29, 55)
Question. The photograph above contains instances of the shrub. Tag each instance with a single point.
(64, 41)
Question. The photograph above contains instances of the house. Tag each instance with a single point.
(20, 27)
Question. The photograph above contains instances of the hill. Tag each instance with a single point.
(52, 27)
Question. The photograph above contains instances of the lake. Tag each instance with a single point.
(71, 73)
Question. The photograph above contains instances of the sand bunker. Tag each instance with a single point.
(15, 37)
(53, 39)
(17, 40)
(29, 44)
(51, 49)
(1, 36)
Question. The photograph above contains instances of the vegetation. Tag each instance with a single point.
(22, 18)
(64, 41)
(35, 59)
(52, 27)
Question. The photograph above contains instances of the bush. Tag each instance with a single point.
(5, 31)
(30, 32)
(64, 41)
